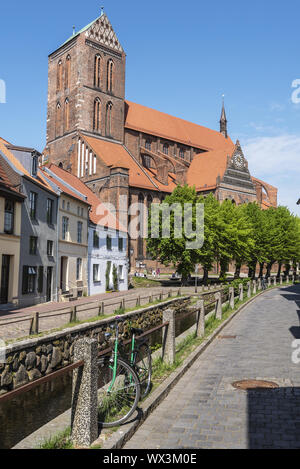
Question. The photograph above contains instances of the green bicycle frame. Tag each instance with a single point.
(114, 368)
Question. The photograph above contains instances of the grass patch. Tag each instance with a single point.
(60, 441)
(140, 282)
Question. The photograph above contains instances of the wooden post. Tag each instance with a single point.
(254, 287)
(274, 281)
(259, 284)
(269, 281)
(281, 281)
(249, 290)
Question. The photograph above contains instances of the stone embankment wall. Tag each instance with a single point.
(33, 358)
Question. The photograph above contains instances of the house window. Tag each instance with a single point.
(49, 248)
(82, 212)
(9, 217)
(78, 269)
(29, 279)
(58, 120)
(79, 232)
(49, 211)
(33, 245)
(121, 244)
(32, 205)
(95, 240)
(96, 273)
(68, 206)
(40, 279)
(148, 145)
(108, 243)
(65, 228)
(166, 148)
(121, 270)
(97, 71)
(63, 204)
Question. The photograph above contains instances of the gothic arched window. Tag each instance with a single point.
(59, 75)
(97, 70)
(181, 153)
(67, 115)
(110, 73)
(58, 120)
(141, 227)
(97, 115)
(166, 148)
(108, 119)
(68, 72)
(148, 144)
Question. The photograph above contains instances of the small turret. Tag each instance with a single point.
(223, 121)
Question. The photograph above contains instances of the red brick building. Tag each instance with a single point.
(119, 148)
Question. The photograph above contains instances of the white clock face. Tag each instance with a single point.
(238, 160)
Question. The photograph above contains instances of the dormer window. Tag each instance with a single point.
(34, 165)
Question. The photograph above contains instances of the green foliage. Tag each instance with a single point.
(115, 278)
(243, 234)
(107, 275)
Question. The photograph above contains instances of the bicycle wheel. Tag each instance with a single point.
(117, 399)
(143, 367)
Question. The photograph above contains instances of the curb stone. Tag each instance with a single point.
(126, 431)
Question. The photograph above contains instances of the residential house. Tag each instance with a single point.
(107, 240)
(72, 226)
(38, 243)
(10, 235)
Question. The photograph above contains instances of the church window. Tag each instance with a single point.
(148, 145)
(108, 119)
(58, 120)
(146, 161)
(68, 72)
(181, 153)
(166, 148)
(97, 115)
(97, 71)
(59, 75)
(110, 66)
(67, 115)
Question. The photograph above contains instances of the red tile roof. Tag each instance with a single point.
(99, 214)
(152, 122)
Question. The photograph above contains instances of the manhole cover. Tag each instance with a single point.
(254, 384)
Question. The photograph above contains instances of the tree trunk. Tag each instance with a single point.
(237, 270)
(223, 268)
(269, 267)
(279, 269)
(261, 269)
(205, 275)
(287, 269)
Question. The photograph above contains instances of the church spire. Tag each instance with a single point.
(223, 121)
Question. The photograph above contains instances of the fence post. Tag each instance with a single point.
(200, 318)
(160, 296)
(249, 290)
(169, 296)
(73, 314)
(84, 416)
(293, 278)
(168, 348)
(280, 279)
(241, 292)
(138, 300)
(274, 281)
(218, 309)
(179, 292)
(101, 308)
(254, 287)
(231, 297)
(259, 284)
(34, 324)
(287, 279)
(269, 281)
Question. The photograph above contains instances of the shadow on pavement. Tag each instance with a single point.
(274, 418)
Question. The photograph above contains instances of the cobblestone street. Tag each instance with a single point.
(204, 411)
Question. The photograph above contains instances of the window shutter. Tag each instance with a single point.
(41, 279)
(25, 280)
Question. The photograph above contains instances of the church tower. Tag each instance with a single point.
(86, 90)
(223, 122)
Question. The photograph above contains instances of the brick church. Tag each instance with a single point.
(120, 148)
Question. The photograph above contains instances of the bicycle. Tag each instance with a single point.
(118, 387)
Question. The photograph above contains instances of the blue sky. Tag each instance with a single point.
(181, 58)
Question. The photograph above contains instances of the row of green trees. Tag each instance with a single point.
(243, 234)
